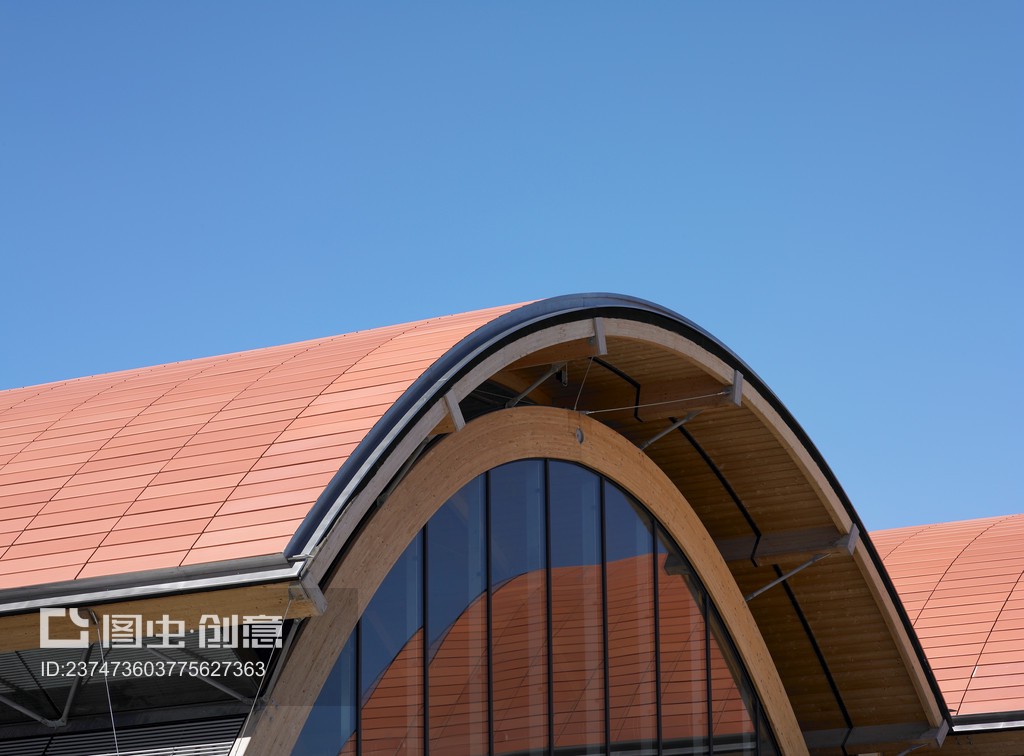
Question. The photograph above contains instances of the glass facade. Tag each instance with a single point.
(542, 610)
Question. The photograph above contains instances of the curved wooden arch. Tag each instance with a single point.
(485, 443)
(919, 712)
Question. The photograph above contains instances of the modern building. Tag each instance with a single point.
(580, 525)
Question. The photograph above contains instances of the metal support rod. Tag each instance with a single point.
(74, 687)
(55, 723)
(285, 649)
(669, 429)
(786, 576)
(28, 712)
(912, 748)
(208, 680)
(550, 372)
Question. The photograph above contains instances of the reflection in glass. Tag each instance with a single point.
(391, 660)
(577, 614)
(731, 696)
(684, 712)
(519, 608)
(457, 624)
(551, 615)
(332, 720)
(632, 698)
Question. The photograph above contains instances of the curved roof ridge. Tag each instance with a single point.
(881, 538)
(980, 534)
(914, 537)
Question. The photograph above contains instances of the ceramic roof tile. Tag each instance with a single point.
(968, 621)
(195, 461)
(133, 521)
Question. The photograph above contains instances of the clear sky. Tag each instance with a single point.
(834, 190)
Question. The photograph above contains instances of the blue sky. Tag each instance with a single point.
(834, 190)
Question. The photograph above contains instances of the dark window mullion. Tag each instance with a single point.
(604, 619)
(359, 687)
(550, 632)
(657, 634)
(425, 614)
(490, 617)
(757, 723)
(705, 611)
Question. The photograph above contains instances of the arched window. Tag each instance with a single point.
(541, 610)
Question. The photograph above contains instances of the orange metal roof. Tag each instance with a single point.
(962, 584)
(193, 462)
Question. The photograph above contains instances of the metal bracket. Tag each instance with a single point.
(307, 590)
(847, 543)
(454, 411)
(736, 389)
(556, 367)
(598, 339)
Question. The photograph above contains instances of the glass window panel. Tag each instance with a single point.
(391, 658)
(632, 698)
(519, 608)
(731, 696)
(577, 616)
(456, 569)
(682, 651)
(534, 511)
(457, 624)
(518, 521)
(332, 720)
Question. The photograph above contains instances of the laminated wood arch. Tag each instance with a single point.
(768, 501)
(483, 444)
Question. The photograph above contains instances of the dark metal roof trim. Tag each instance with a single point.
(975, 723)
(438, 379)
(229, 573)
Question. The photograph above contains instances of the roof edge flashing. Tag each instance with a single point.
(988, 722)
(160, 582)
(438, 378)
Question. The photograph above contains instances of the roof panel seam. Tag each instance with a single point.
(988, 637)
(938, 582)
(309, 347)
(172, 386)
(91, 455)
